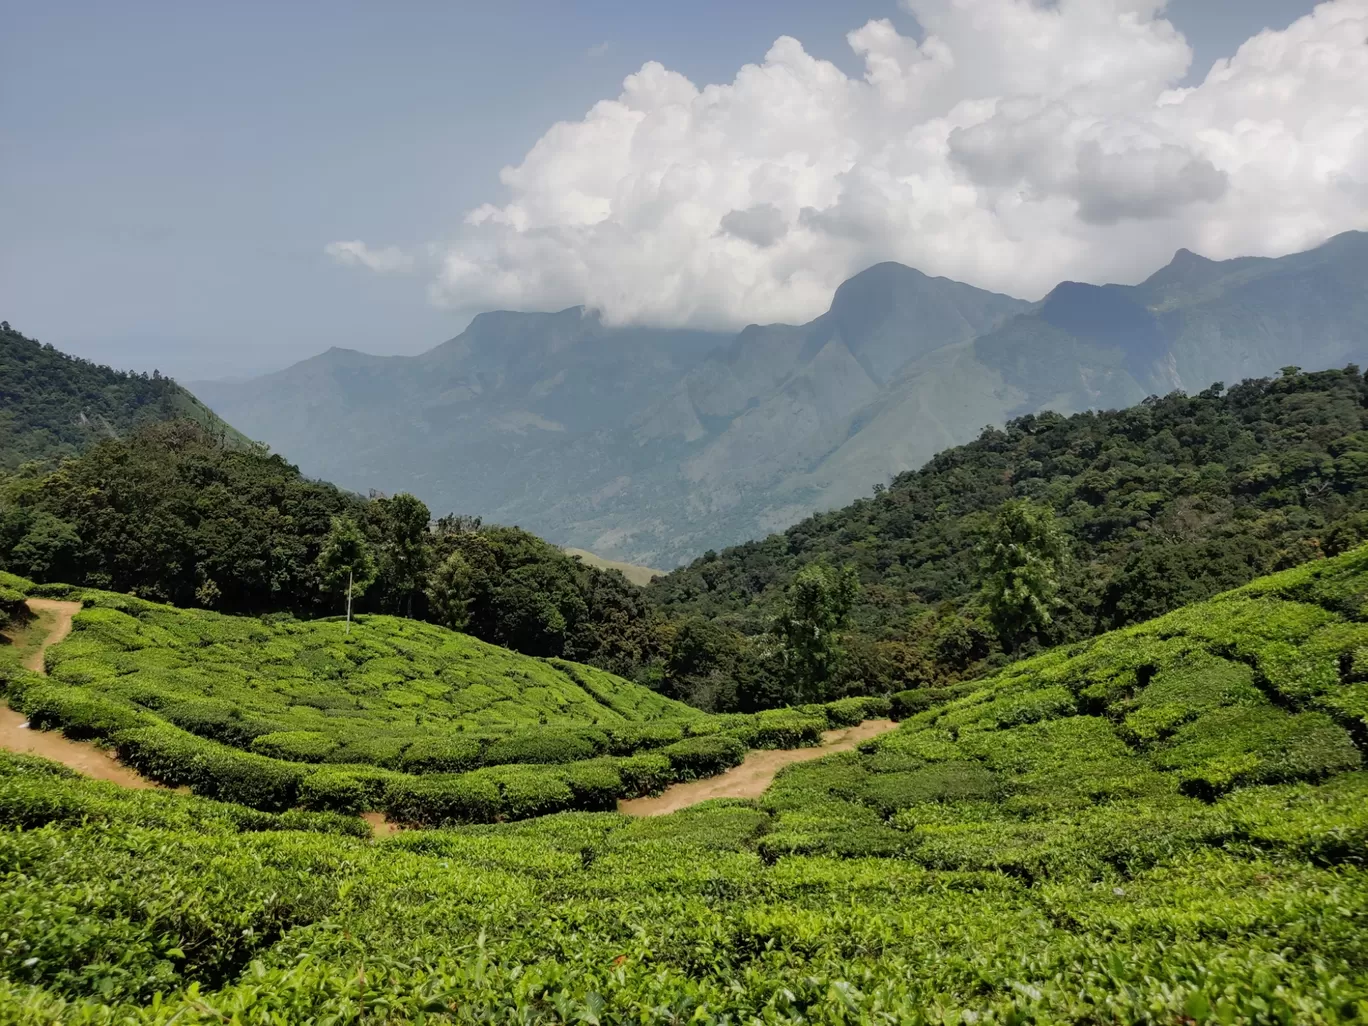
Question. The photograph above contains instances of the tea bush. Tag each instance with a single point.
(1030, 848)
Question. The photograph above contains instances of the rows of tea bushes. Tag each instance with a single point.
(1166, 825)
(201, 917)
(1118, 752)
(424, 724)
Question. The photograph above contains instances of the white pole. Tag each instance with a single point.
(349, 587)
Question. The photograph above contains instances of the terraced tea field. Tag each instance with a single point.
(1168, 824)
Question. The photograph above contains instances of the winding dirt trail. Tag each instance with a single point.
(755, 774)
(15, 735)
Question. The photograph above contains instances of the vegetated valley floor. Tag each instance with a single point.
(1166, 824)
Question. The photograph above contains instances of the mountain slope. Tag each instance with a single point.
(657, 452)
(1163, 503)
(54, 405)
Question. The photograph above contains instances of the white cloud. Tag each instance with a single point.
(1019, 143)
(389, 260)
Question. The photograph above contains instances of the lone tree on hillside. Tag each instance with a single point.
(808, 628)
(1022, 557)
(346, 556)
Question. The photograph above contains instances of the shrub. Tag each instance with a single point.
(847, 712)
(78, 712)
(13, 609)
(295, 745)
(782, 729)
(644, 773)
(703, 756)
(906, 704)
(346, 790)
(595, 785)
(548, 745)
(627, 738)
(530, 791)
(218, 721)
(450, 753)
(442, 801)
(175, 757)
(940, 782)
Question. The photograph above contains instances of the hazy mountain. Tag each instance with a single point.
(653, 445)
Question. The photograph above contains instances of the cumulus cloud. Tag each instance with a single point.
(389, 260)
(1017, 143)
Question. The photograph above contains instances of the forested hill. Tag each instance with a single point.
(1160, 504)
(54, 405)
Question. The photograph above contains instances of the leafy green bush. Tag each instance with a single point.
(177, 758)
(645, 773)
(295, 745)
(452, 753)
(347, 789)
(532, 791)
(440, 800)
(545, 746)
(627, 738)
(906, 704)
(78, 712)
(703, 756)
(595, 786)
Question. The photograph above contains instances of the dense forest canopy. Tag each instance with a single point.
(53, 405)
(172, 514)
(1161, 504)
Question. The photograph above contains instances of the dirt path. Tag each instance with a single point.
(61, 614)
(755, 774)
(83, 757)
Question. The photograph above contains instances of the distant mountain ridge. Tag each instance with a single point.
(652, 445)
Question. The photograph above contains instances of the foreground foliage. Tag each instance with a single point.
(1168, 824)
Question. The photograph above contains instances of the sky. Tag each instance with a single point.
(223, 189)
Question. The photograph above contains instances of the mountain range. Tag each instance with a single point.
(651, 445)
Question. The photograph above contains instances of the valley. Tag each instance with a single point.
(653, 446)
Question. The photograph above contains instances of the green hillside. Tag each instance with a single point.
(1168, 824)
(424, 723)
(1163, 503)
(53, 405)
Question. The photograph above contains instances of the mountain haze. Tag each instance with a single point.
(652, 445)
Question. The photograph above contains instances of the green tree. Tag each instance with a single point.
(451, 587)
(403, 522)
(346, 557)
(1022, 557)
(808, 628)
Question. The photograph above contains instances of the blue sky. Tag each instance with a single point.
(170, 172)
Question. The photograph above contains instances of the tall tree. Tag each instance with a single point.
(808, 628)
(1022, 557)
(450, 589)
(346, 557)
(404, 553)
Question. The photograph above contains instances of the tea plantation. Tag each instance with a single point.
(426, 724)
(1168, 824)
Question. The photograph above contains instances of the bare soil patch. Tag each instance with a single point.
(755, 774)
